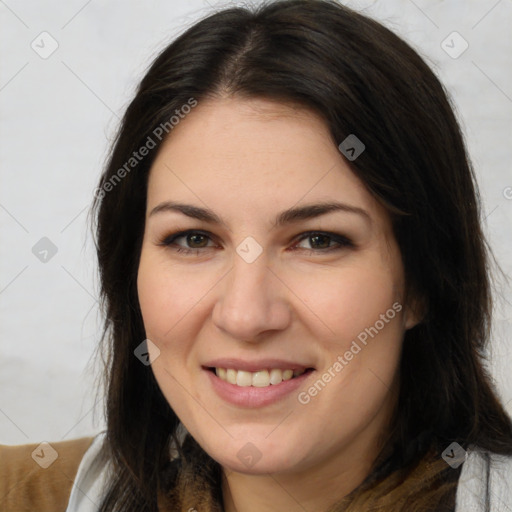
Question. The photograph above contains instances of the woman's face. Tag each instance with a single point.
(266, 286)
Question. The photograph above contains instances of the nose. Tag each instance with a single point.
(251, 301)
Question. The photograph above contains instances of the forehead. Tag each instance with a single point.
(231, 127)
(254, 155)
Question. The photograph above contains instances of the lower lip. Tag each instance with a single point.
(250, 396)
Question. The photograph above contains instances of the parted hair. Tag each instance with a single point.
(361, 79)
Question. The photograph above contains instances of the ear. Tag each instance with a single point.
(415, 311)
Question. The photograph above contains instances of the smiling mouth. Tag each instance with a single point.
(260, 379)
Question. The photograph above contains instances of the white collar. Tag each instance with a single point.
(91, 479)
(485, 477)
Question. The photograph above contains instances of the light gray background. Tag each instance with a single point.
(58, 116)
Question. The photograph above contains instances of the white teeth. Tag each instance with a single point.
(276, 376)
(243, 379)
(287, 374)
(259, 379)
(230, 376)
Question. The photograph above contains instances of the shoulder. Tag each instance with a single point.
(485, 482)
(39, 476)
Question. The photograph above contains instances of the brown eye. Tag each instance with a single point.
(194, 241)
(321, 241)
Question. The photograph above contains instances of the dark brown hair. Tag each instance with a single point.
(363, 80)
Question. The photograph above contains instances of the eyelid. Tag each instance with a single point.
(169, 239)
(342, 241)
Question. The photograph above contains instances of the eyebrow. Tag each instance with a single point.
(286, 217)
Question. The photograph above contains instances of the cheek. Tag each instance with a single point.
(344, 303)
(166, 296)
(155, 297)
(167, 299)
(358, 323)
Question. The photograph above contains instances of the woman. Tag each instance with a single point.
(295, 283)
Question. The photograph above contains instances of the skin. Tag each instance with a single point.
(248, 160)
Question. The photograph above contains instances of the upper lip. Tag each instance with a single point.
(255, 365)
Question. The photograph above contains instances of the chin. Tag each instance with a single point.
(253, 458)
(261, 467)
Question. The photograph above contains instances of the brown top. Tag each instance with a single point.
(39, 477)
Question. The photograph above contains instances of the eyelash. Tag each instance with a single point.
(342, 241)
